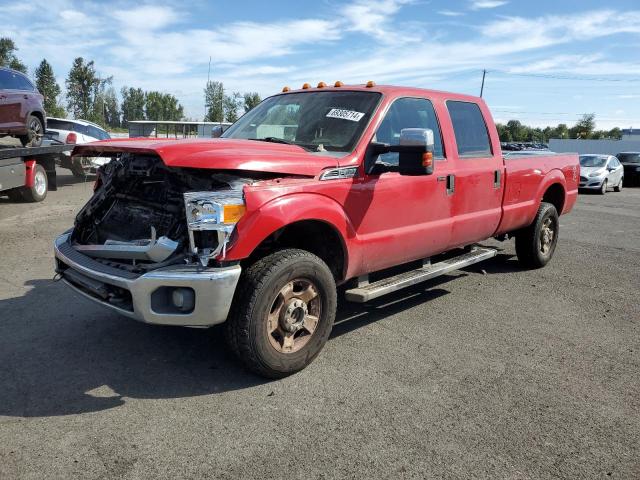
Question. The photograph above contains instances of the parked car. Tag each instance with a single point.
(311, 189)
(21, 109)
(601, 172)
(631, 163)
(77, 132)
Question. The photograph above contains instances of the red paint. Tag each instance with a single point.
(30, 173)
(386, 219)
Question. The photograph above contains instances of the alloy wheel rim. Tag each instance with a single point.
(294, 315)
(547, 236)
(40, 183)
(35, 128)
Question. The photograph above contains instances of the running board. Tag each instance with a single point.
(382, 287)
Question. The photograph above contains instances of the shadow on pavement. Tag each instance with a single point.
(62, 355)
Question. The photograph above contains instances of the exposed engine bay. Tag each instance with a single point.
(136, 219)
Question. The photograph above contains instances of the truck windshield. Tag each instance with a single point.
(316, 121)
(629, 157)
(592, 161)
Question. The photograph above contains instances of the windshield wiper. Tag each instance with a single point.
(280, 140)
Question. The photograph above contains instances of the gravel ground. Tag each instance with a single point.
(491, 372)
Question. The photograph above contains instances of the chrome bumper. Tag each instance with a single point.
(213, 288)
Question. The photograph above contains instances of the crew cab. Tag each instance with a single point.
(313, 189)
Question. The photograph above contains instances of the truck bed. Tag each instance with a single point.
(527, 178)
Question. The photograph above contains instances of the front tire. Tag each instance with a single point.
(283, 313)
(603, 188)
(536, 243)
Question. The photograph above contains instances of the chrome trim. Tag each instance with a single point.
(339, 173)
(214, 289)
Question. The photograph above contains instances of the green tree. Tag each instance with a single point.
(85, 90)
(162, 106)
(133, 103)
(230, 105)
(49, 88)
(214, 101)
(110, 108)
(615, 133)
(504, 133)
(519, 133)
(8, 57)
(584, 127)
(251, 100)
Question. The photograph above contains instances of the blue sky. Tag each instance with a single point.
(548, 62)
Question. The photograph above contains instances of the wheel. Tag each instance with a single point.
(603, 188)
(38, 192)
(618, 188)
(35, 132)
(283, 313)
(536, 243)
(79, 171)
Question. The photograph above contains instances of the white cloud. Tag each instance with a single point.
(483, 4)
(147, 17)
(450, 13)
(372, 17)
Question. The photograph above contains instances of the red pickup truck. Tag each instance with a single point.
(313, 189)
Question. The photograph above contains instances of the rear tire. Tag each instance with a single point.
(38, 192)
(536, 243)
(282, 313)
(15, 195)
(35, 133)
(618, 188)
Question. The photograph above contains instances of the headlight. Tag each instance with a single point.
(211, 217)
(596, 174)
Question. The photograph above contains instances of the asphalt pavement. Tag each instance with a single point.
(490, 372)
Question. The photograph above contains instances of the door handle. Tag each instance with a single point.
(496, 179)
(451, 184)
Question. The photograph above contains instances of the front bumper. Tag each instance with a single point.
(594, 183)
(142, 297)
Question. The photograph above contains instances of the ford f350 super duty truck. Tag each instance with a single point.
(313, 189)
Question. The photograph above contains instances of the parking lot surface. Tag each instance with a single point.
(491, 372)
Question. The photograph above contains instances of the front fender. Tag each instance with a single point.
(257, 225)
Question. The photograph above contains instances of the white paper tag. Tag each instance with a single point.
(345, 114)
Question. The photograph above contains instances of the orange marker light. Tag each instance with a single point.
(285, 89)
(322, 85)
(233, 213)
(427, 159)
(371, 84)
(306, 86)
(338, 84)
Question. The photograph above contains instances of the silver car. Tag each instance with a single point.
(601, 172)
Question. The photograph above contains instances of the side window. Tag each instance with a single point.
(23, 83)
(408, 113)
(94, 132)
(4, 80)
(470, 129)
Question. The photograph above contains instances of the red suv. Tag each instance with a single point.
(21, 111)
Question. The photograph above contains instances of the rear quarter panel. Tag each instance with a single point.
(527, 178)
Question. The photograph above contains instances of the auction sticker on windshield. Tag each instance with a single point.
(345, 114)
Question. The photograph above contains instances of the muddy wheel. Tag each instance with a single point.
(283, 313)
(35, 132)
(38, 192)
(536, 243)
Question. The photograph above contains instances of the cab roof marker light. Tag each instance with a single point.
(306, 86)
(338, 84)
(322, 85)
(285, 89)
(371, 84)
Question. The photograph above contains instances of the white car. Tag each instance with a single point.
(600, 172)
(64, 130)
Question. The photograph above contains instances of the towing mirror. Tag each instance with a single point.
(416, 151)
(217, 131)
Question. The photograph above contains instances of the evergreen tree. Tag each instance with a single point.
(49, 88)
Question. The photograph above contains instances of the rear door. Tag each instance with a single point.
(479, 183)
(12, 99)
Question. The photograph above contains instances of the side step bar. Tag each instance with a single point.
(382, 287)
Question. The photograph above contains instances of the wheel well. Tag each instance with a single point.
(40, 117)
(314, 236)
(555, 196)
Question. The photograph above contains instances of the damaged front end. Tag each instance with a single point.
(144, 215)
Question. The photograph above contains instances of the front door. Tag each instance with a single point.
(399, 218)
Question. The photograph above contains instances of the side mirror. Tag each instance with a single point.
(217, 131)
(416, 151)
